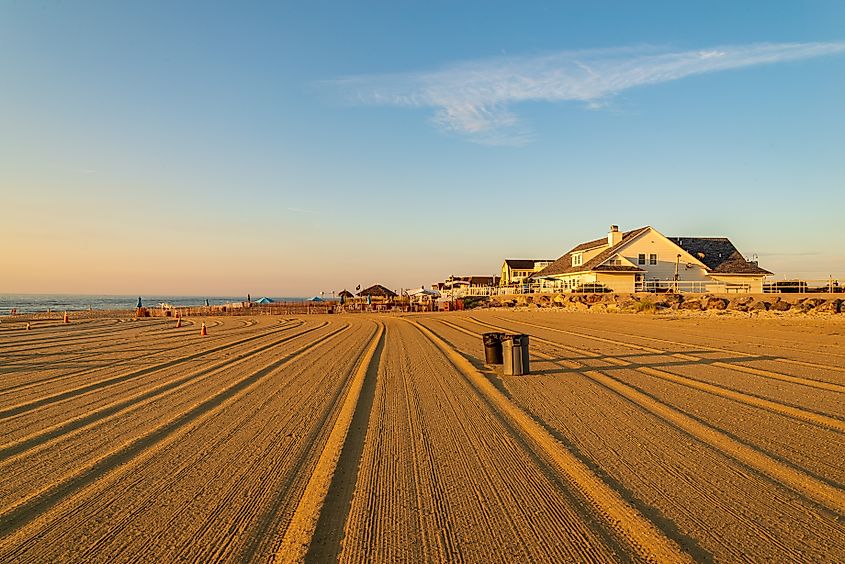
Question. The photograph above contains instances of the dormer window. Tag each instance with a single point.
(577, 259)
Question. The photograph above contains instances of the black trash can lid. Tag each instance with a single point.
(518, 338)
(491, 338)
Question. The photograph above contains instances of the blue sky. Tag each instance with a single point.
(292, 148)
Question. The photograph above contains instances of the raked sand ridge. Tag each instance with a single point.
(382, 438)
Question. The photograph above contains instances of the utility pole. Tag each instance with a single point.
(677, 271)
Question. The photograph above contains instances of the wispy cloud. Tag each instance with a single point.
(475, 98)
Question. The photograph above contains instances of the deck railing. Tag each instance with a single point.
(655, 286)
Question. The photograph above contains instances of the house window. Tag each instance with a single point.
(652, 258)
(641, 258)
(615, 262)
(576, 259)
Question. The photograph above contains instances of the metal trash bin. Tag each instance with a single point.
(515, 355)
(492, 348)
(526, 367)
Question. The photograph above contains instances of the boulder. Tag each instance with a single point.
(716, 303)
(742, 303)
(811, 303)
(759, 306)
(663, 304)
(626, 303)
(559, 299)
(594, 298)
(829, 306)
(693, 304)
(672, 299)
(781, 305)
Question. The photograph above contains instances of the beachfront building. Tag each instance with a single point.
(464, 285)
(377, 291)
(515, 271)
(645, 260)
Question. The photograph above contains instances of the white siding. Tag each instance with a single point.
(667, 252)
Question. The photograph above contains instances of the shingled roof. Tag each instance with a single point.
(524, 264)
(718, 254)
(563, 265)
(377, 290)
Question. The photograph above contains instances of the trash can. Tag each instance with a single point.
(515, 354)
(523, 341)
(492, 348)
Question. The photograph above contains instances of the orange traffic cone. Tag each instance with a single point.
(203, 332)
(66, 319)
(178, 322)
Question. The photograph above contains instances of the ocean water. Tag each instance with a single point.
(33, 303)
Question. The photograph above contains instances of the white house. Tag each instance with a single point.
(515, 271)
(645, 260)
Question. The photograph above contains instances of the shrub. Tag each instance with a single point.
(645, 306)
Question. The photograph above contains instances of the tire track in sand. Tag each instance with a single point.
(31, 405)
(820, 384)
(43, 438)
(822, 493)
(634, 530)
(300, 533)
(741, 397)
(539, 395)
(275, 478)
(32, 383)
(15, 517)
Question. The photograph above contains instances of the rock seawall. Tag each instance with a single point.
(652, 303)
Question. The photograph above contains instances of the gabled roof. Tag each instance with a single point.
(481, 280)
(718, 254)
(524, 264)
(346, 294)
(377, 290)
(563, 265)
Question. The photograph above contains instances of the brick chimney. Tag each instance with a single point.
(614, 237)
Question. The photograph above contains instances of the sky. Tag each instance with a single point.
(284, 149)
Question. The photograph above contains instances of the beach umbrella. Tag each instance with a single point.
(264, 300)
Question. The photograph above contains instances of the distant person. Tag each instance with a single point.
(139, 302)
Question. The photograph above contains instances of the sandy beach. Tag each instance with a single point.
(385, 438)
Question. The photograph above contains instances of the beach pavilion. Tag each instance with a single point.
(378, 291)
